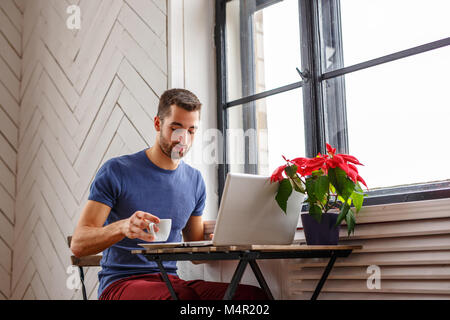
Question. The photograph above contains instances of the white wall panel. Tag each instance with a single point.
(75, 100)
(11, 20)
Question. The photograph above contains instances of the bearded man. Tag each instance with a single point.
(131, 191)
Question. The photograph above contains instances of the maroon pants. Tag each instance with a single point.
(153, 287)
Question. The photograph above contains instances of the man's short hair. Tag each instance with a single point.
(180, 97)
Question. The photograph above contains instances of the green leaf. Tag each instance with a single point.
(332, 188)
(321, 188)
(310, 189)
(348, 187)
(342, 214)
(291, 171)
(316, 212)
(359, 189)
(317, 173)
(349, 201)
(344, 186)
(332, 175)
(284, 191)
(358, 199)
(341, 199)
(351, 221)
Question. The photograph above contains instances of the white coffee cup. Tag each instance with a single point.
(164, 226)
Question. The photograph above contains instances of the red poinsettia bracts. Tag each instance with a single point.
(277, 175)
(331, 151)
(305, 166)
(342, 161)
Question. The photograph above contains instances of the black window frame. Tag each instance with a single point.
(311, 81)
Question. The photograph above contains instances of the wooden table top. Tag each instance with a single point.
(260, 248)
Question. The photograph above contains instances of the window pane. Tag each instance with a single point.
(279, 131)
(371, 29)
(262, 46)
(398, 119)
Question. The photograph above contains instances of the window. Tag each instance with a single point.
(368, 77)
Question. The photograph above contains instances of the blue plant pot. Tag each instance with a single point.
(324, 233)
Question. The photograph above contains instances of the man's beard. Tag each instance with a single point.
(174, 150)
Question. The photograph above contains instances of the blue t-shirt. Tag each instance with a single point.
(131, 183)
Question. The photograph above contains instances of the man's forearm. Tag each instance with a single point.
(92, 240)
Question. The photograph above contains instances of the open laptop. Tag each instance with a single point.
(249, 214)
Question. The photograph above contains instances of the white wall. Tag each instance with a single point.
(11, 21)
(86, 96)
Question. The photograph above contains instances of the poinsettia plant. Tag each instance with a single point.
(329, 181)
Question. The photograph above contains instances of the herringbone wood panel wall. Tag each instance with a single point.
(70, 100)
(10, 76)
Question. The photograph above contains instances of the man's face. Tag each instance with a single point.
(177, 132)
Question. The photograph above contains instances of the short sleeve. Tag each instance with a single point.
(201, 196)
(106, 187)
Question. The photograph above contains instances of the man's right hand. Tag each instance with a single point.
(134, 226)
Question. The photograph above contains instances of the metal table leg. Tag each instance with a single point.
(235, 279)
(83, 287)
(166, 279)
(259, 276)
(324, 276)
